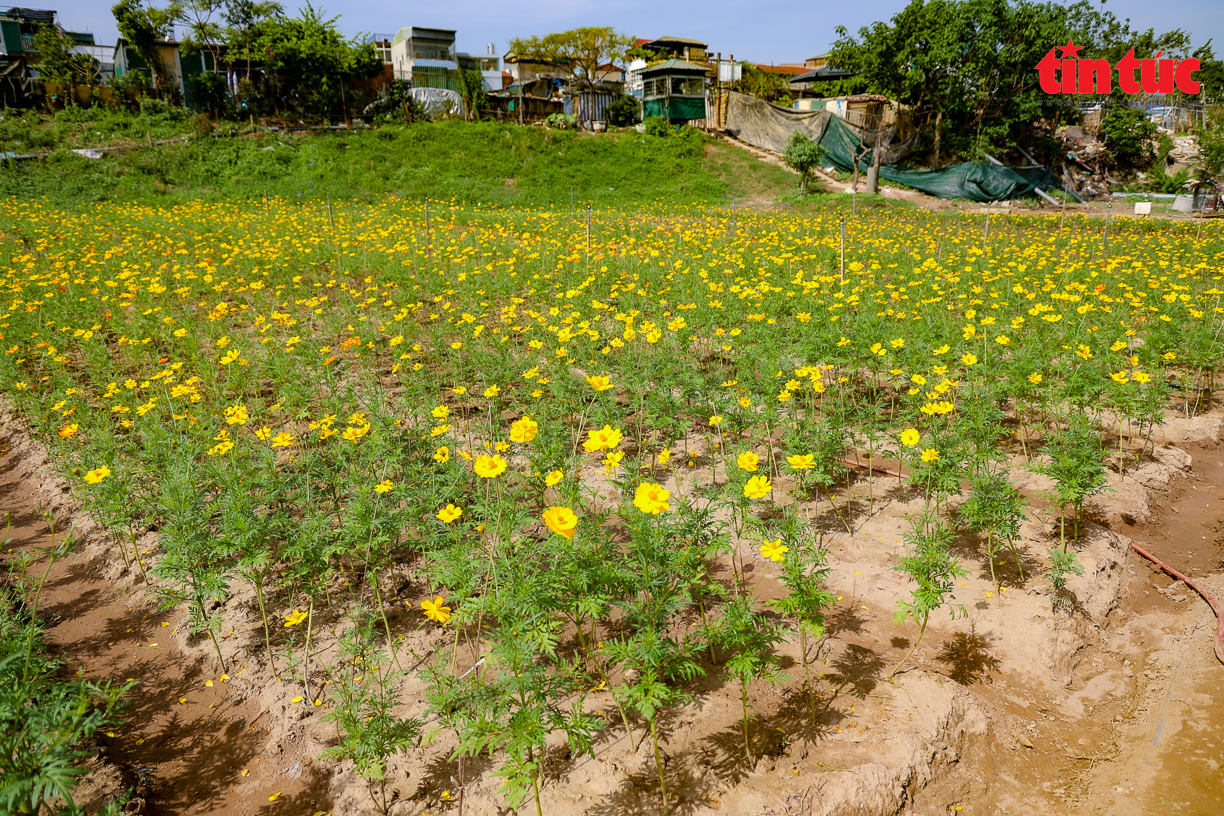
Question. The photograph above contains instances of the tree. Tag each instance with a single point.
(472, 89)
(966, 67)
(582, 52)
(243, 19)
(755, 81)
(308, 61)
(58, 64)
(803, 154)
(142, 26)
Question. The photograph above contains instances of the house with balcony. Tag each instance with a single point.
(427, 58)
(17, 51)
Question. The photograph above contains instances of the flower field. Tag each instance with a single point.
(618, 459)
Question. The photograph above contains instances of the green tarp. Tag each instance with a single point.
(769, 126)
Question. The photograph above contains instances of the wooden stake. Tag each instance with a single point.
(330, 219)
(588, 232)
(842, 224)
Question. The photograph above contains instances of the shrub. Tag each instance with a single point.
(803, 154)
(623, 112)
(657, 126)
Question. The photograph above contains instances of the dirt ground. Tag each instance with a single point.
(1111, 708)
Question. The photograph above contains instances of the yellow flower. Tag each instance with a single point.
(1120, 377)
(562, 521)
(944, 349)
(449, 513)
(441, 412)
(612, 461)
(715, 420)
(773, 550)
(439, 430)
(1083, 351)
(352, 434)
(599, 383)
(442, 455)
(930, 455)
(651, 498)
(748, 461)
(294, 618)
(664, 456)
(805, 461)
(384, 486)
(229, 356)
(97, 474)
(1141, 377)
(524, 430)
(492, 391)
(435, 611)
(282, 440)
(758, 487)
(236, 415)
(605, 438)
(553, 477)
(968, 359)
(489, 467)
(1003, 340)
(910, 437)
(263, 433)
(68, 430)
(784, 396)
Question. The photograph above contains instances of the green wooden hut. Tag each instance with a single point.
(675, 90)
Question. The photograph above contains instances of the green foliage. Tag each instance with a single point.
(932, 568)
(58, 63)
(1076, 464)
(142, 26)
(995, 507)
(581, 52)
(1063, 562)
(623, 112)
(658, 126)
(44, 720)
(970, 65)
(803, 154)
(472, 90)
(1128, 132)
(365, 688)
(468, 162)
(767, 85)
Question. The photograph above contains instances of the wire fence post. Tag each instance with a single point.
(265, 197)
(1105, 233)
(986, 227)
(330, 218)
(426, 227)
(588, 231)
(842, 266)
(1063, 217)
(571, 202)
(733, 205)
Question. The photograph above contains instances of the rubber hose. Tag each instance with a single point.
(1219, 638)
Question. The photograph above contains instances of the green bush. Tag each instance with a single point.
(624, 112)
(657, 126)
(1128, 134)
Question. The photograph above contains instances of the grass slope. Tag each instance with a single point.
(487, 163)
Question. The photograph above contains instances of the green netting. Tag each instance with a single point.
(768, 126)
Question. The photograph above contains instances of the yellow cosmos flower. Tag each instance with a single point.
(606, 438)
(524, 430)
(748, 461)
(385, 486)
(930, 455)
(805, 461)
(773, 550)
(553, 477)
(1003, 340)
(715, 421)
(68, 430)
(969, 359)
(910, 437)
(758, 487)
(489, 467)
(97, 474)
(599, 383)
(944, 349)
(664, 456)
(1120, 377)
(651, 498)
(562, 521)
(442, 455)
(1035, 378)
(229, 356)
(294, 618)
(236, 415)
(282, 440)
(492, 391)
(436, 611)
(612, 461)
(449, 513)
(441, 412)
(1141, 377)
(352, 434)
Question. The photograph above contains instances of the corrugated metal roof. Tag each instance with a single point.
(675, 65)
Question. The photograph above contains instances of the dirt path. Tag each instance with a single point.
(193, 743)
(1013, 710)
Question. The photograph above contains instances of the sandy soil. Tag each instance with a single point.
(1013, 709)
